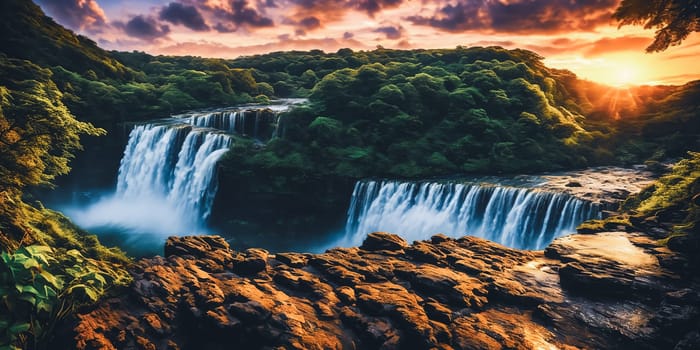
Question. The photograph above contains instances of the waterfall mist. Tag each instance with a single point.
(166, 185)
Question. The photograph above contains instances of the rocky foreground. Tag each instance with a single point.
(609, 290)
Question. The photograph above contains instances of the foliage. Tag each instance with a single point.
(39, 287)
(426, 112)
(674, 20)
(38, 135)
(671, 201)
(421, 113)
(673, 193)
(29, 34)
(166, 85)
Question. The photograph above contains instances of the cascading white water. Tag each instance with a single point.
(194, 188)
(260, 124)
(167, 177)
(516, 217)
(228, 121)
(175, 163)
(166, 182)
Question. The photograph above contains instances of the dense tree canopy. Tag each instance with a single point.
(38, 135)
(673, 20)
(388, 113)
(427, 112)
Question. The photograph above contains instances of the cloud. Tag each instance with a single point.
(326, 11)
(391, 32)
(374, 6)
(678, 79)
(212, 49)
(144, 28)
(84, 15)
(519, 16)
(310, 23)
(238, 13)
(624, 43)
(348, 35)
(188, 16)
(404, 44)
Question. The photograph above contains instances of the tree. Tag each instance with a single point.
(38, 135)
(673, 19)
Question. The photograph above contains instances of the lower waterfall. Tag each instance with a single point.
(520, 218)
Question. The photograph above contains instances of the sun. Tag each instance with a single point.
(620, 71)
(624, 76)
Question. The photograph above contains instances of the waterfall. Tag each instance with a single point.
(173, 163)
(260, 124)
(521, 218)
(166, 184)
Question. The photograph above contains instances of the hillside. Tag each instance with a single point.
(29, 34)
(425, 113)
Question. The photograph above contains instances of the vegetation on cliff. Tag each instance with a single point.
(669, 210)
(43, 274)
(48, 266)
(422, 113)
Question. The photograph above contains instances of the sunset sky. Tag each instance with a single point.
(578, 35)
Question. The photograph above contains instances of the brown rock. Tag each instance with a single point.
(251, 311)
(292, 259)
(607, 290)
(154, 324)
(211, 247)
(383, 241)
(346, 294)
(255, 261)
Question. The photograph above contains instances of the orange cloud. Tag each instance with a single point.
(624, 43)
(211, 49)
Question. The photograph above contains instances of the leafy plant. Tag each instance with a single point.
(29, 296)
(38, 289)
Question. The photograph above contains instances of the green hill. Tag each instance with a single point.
(29, 34)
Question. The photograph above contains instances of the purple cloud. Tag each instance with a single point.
(523, 16)
(84, 15)
(188, 16)
(391, 32)
(144, 28)
(240, 14)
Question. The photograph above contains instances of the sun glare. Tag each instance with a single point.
(624, 76)
(617, 71)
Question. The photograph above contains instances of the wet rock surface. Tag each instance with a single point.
(606, 186)
(584, 291)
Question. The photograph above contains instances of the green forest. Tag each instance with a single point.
(380, 113)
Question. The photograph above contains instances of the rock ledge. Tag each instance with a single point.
(585, 291)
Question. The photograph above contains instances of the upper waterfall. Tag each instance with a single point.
(521, 218)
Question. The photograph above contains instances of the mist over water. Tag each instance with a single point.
(138, 225)
(166, 186)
